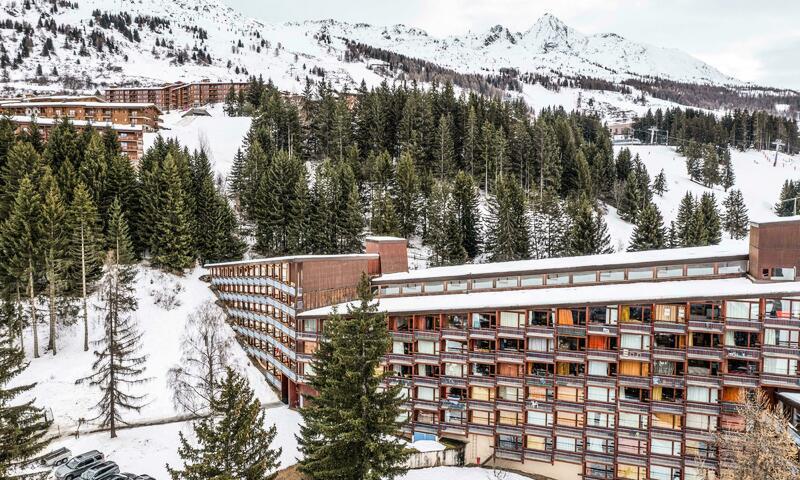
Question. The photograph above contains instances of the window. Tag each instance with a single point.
(570, 394)
(454, 346)
(781, 338)
(702, 422)
(569, 444)
(669, 271)
(541, 444)
(512, 319)
(509, 442)
(512, 394)
(537, 344)
(632, 446)
(780, 366)
(640, 273)
(600, 419)
(532, 281)
(455, 369)
(540, 318)
(433, 287)
(509, 418)
(601, 445)
(600, 369)
(702, 394)
(427, 347)
(541, 394)
(569, 419)
(668, 421)
(741, 310)
(637, 342)
(612, 275)
(427, 393)
(731, 267)
(557, 278)
(457, 321)
(482, 418)
(782, 274)
(401, 348)
(601, 394)
(700, 449)
(310, 325)
(481, 393)
(699, 269)
(631, 472)
(506, 282)
(584, 277)
(412, 288)
(658, 472)
(541, 419)
(482, 283)
(484, 320)
(456, 285)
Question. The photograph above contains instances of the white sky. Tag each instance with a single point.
(756, 41)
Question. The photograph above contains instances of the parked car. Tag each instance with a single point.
(55, 458)
(100, 471)
(75, 466)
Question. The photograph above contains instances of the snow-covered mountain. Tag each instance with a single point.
(153, 41)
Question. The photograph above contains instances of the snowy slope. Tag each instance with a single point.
(758, 180)
(56, 375)
(287, 52)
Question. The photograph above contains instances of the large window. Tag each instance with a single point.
(541, 419)
(512, 319)
(780, 366)
(665, 447)
(633, 420)
(600, 419)
(601, 394)
(698, 421)
(702, 394)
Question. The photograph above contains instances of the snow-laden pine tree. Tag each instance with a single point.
(735, 220)
(205, 355)
(232, 442)
(119, 364)
(85, 248)
(23, 427)
(648, 234)
(660, 183)
(350, 428)
(508, 230)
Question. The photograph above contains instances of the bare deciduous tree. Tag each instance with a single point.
(206, 352)
(763, 448)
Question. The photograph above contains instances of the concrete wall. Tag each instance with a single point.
(452, 457)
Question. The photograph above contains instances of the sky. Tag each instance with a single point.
(752, 41)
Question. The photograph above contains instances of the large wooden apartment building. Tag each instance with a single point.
(620, 366)
(176, 96)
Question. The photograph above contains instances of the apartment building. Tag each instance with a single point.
(146, 115)
(131, 137)
(599, 367)
(178, 95)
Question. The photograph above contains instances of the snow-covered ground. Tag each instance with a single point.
(758, 180)
(219, 134)
(55, 376)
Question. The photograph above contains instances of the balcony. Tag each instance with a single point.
(630, 327)
(511, 332)
(747, 325)
(704, 380)
(793, 323)
(705, 353)
(426, 358)
(426, 381)
(674, 354)
(426, 335)
(454, 357)
(742, 353)
(570, 380)
(706, 326)
(453, 381)
(782, 351)
(511, 357)
(482, 357)
(771, 379)
(481, 429)
(668, 381)
(402, 336)
(506, 454)
(510, 381)
(453, 429)
(631, 354)
(633, 381)
(602, 329)
(483, 333)
(602, 355)
(571, 330)
(739, 380)
(670, 327)
(538, 455)
(544, 357)
(479, 381)
(570, 356)
(427, 405)
(397, 358)
(483, 405)
(539, 331)
(667, 407)
(454, 334)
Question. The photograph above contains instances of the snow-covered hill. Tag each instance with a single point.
(156, 41)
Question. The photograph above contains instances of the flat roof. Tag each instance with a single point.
(297, 258)
(380, 238)
(79, 123)
(776, 219)
(649, 292)
(81, 104)
(730, 251)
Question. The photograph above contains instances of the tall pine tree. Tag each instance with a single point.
(649, 233)
(735, 219)
(508, 229)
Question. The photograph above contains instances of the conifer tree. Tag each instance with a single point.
(349, 219)
(444, 146)
(660, 183)
(118, 365)
(710, 169)
(589, 233)
(711, 217)
(787, 201)
(406, 194)
(551, 226)
(444, 235)
(94, 168)
(648, 234)
(465, 206)
(21, 161)
(349, 429)
(696, 234)
(20, 240)
(727, 176)
(23, 427)
(623, 164)
(172, 247)
(86, 250)
(684, 220)
(508, 231)
(632, 199)
(735, 219)
(232, 443)
(384, 219)
(54, 245)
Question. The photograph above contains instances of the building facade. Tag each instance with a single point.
(176, 96)
(146, 115)
(603, 367)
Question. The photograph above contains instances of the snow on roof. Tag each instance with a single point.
(776, 219)
(731, 249)
(560, 296)
(77, 123)
(80, 104)
(297, 258)
(379, 238)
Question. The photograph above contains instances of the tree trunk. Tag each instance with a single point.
(83, 285)
(52, 289)
(18, 312)
(33, 314)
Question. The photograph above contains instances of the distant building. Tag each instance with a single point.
(620, 366)
(146, 115)
(131, 137)
(621, 129)
(176, 96)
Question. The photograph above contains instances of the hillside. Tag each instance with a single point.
(86, 45)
